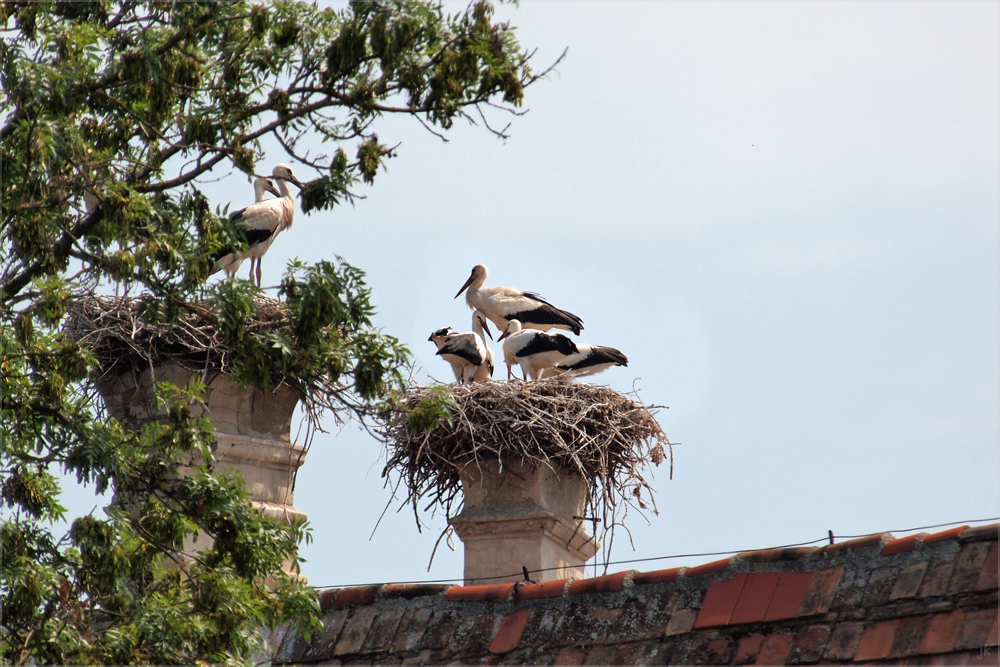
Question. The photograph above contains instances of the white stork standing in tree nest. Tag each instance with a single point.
(263, 221)
(503, 304)
(535, 351)
(470, 356)
(229, 261)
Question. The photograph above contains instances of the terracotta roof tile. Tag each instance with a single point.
(819, 596)
(681, 621)
(707, 568)
(844, 641)
(988, 575)
(942, 632)
(657, 576)
(574, 657)
(496, 592)
(876, 540)
(600, 655)
(988, 532)
(977, 630)
(902, 545)
(811, 643)
(411, 628)
(339, 597)
(410, 591)
(748, 648)
(546, 589)
(950, 534)
(876, 640)
(789, 595)
(937, 577)
(720, 601)
(509, 633)
(880, 586)
(356, 630)
(609, 582)
(909, 635)
(968, 564)
(776, 555)
(755, 597)
(775, 649)
(909, 580)
(383, 630)
(874, 599)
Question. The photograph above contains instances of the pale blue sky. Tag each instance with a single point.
(785, 214)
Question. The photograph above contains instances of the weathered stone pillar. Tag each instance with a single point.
(524, 515)
(252, 429)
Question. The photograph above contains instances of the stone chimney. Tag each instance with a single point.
(522, 515)
(252, 429)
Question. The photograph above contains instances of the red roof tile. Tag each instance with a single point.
(707, 568)
(878, 539)
(748, 648)
(876, 640)
(720, 601)
(338, 597)
(942, 633)
(902, 545)
(509, 633)
(755, 597)
(988, 576)
(775, 649)
(657, 576)
(609, 582)
(950, 534)
(547, 589)
(868, 600)
(789, 595)
(481, 593)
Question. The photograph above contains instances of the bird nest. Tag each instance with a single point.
(608, 438)
(124, 333)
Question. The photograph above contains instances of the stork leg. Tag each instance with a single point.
(258, 271)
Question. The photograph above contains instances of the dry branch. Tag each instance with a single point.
(607, 437)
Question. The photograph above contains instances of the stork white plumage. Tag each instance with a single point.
(229, 261)
(590, 360)
(470, 357)
(485, 371)
(535, 351)
(439, 338)
(503, 304)
(264, 220)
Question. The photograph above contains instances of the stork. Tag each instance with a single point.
(264, 220)
(590, 360)
(503, 304)
(535, 351)
(470, 357)
(226, 260)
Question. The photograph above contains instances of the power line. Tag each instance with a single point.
(690, 555)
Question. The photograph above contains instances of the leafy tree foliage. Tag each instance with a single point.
(113, 111)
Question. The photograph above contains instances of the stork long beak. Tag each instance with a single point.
(486, 328)
(467, 283)
(504, 335)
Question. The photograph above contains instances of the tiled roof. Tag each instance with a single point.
(920, 599)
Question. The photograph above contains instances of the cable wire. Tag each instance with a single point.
(655, 558)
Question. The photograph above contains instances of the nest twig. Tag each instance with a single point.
(121, 338)
(607, 437)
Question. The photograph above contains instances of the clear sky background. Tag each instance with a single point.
(787, 215)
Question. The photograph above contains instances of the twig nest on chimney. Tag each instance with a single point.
(607, 437)
(124, 333)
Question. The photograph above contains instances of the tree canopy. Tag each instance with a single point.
(112, 113)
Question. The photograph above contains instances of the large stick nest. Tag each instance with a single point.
(122, 336)
(607, 437)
